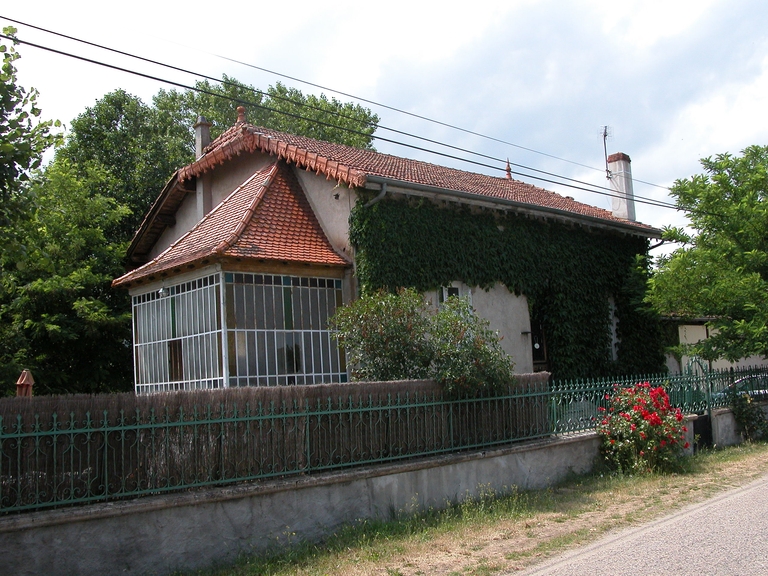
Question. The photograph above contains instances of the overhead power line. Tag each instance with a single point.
(354, 97)
(593, 188)
(328, 89)
(298, 103)
(341, 115)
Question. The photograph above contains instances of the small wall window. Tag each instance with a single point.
(455, 289)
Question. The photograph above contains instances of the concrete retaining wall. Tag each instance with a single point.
(163, 534)
(725, 431)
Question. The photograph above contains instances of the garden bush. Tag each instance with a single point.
(467, 354)
(748, 415)
(385, 336)
(640, 431)
(398, 336)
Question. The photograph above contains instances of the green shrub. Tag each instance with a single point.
(385, 336)
(640, 431)
(467, 354)
(397, 336)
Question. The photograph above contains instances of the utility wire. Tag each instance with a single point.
(304, 104)
(414, 115)
(358, 98)
(639, 199)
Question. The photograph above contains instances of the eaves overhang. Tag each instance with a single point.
(505, 204)
(160, 216)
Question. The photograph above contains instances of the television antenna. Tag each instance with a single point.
(606, 132)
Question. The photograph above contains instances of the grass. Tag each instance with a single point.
(502, 532)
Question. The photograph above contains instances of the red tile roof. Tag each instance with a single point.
(268, 217)
(353, 167)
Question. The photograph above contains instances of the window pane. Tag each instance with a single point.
(269, 310)
(259, 307)
(230, 292)
(251, 346)
(249, 307)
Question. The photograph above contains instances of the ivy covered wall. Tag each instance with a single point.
(567, 273)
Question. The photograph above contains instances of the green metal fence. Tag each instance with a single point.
(103, 456)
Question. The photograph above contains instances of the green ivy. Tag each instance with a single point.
(567, 273)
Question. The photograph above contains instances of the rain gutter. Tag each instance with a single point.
(505, 203)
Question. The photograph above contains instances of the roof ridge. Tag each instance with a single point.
(357, 167)
(248, 214)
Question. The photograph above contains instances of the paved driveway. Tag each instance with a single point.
(725, 535)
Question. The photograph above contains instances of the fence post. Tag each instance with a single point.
(24, 384)
(308, 418)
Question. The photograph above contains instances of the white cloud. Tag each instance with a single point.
(643, 23)
(675, 80)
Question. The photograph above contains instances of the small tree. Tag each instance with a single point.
(721, 271)
(467, 354)
(385, 336)
(395, 336)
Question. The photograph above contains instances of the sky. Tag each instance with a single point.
(676, 81)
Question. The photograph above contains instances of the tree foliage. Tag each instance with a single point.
(721, 271)
(23, 139)
(132, 143)
(279, 108)
(59, 316)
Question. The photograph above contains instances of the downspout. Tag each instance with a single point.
(379, 197)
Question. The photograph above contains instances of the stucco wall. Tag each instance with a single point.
(508, 315)
(163, 534)
(332, 212)
(694, 333)
(186, 218)
(230, 175)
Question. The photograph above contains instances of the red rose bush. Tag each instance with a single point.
(640, 431)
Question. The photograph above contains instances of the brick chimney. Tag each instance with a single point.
(203, 182)
(620, 177)
(202, 135)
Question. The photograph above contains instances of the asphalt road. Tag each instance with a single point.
(725, 535)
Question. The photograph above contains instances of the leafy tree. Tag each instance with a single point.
(133, 144)
(721, 271)
(59, 316)
(217, 102)
(23, 139)
(319, 117)
(279, 108)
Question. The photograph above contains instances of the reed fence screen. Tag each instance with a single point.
(64, 450)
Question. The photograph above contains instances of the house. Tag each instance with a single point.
(691, 331)
(250, 249)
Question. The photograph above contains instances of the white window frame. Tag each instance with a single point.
(454, 289)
